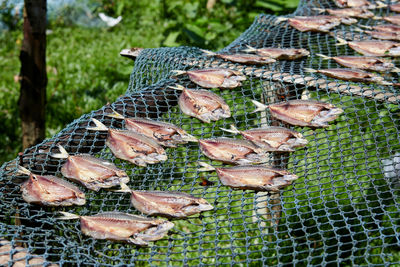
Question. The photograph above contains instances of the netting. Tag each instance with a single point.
(343, 209)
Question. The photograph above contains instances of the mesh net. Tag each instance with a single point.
(343, 209)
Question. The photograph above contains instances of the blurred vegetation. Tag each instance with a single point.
(84, 68)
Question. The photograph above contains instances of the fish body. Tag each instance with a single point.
(135, 148)
(305, 112)
(395, 19)
(92, 172)
(280, 53)
(351, 12)
(124, 227)
(220, 78)
(166, 134)
(204, 105)
(395, 8)
(365, 63)
(353, 3)
(259, 178)
(387, 28)
(274, 138)
(376, 48)
(384, 35)
(170, 204)
(233, 151)
(318, 23)
(51, 191)
(351, 75)
(247, 59)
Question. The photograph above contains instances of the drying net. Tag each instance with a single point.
(343, 209)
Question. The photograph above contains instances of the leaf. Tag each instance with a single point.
(171, 39)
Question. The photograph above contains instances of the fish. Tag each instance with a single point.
(357, 3)
(252, 177)
(133, 147)
(242, 58)
(131, 53)
(202, 104)
(353, 75)
(214, 78)
(279, 53)
(395, 8)
(364, 63)
(233, 151)
(166, 134)
(172, 204)
(384, 35)
(272, 138)
(119, 226)
(383, 28)
(361, 13)
(92, 172)
(395, 19)
(302, 112)
(50, 190)
(321, 23)
(373, 47)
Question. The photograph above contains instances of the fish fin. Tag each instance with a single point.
(249, 49)
(233, 130)
(177, 87)
(358, 29)
(310, 70)
(280, 19)
(341, 41)
(23, 170)
(208, 53)
(63, 155)
(190, 138)
(380, 4)
(260, 106)
(270, 142)
(99, 126)
(68, 216)
(124, 188)
(115, 115)
(137, 241)
(206, 167)
(324, 57)
(395, 69)
(365, 27)
(320, 10)
(178, 72)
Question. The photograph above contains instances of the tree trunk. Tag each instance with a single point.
(33, 76)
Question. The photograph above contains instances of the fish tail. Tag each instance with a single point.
(205, 167)
(358, 29)
(233, 129)
(99, 126)
(68, 216)
(177, 87)
(395, 70)
(309, 70)
(63, 153)
(259, 106)
(280, 19)
(23, 170)
(365, 27)
(385, 83)
(115, 115)
(320, 10)
(124, 188)
(250, 49)
(324, 57)
(208, 53)
(190, 138)
(178, 72)
(341, 41)
(380, 4)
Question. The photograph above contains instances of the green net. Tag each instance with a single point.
(343, 209)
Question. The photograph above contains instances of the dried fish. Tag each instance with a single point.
(166, 134)
(233, 151)
(383, 28)
(121, 226)
(357, 3)
(202, 104)
(133, 147)
(242, 58)
(395, 19)
(171, 204)
(365, 63)
(50, 190)
(395, 8)
(302, 112)
(279, 53)
(272, 138)
(317, 23)
(131, 53)
(259, 178)
(361, 13)
(373, 48)
(211, 78)
(387, 34)
(353, 75)
(92, 172)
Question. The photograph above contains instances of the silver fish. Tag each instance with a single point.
(279, 53)
(211, 78)
(259, 178)
(121, 226)
(50, 190)
(233, 151)
(202, 104)
(302, 112)
(272, 138)
(92, 172)
(133, 147)
(166, 134)
(171, 204)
